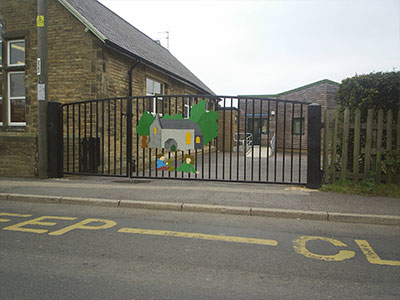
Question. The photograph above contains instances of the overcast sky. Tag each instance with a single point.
(266, 47)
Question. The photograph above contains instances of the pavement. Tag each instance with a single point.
(252, 199)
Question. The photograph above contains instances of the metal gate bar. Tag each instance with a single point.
(215, 166)
(100, 138)
(95, 136)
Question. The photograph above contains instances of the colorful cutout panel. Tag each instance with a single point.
(175, 133)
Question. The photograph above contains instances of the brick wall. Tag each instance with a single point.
(322, 93)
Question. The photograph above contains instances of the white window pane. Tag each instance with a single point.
(17, 87)
(1, 45)
(1, 110)
(17, 110)
(264, 128)
(157, 87)
(297, 125)
(1, 97)
(17, 52)
(149, 86)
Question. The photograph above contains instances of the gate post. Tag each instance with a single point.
(129, 137)
(55, 139)
(314, 172)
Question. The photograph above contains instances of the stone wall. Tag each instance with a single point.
(81, 67)
(18, 154)
(226, 133)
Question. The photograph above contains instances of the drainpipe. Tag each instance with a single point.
(130, 164)
(130, 77)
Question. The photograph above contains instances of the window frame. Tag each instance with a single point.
(7, 70)
(301, 128)
(155, 98)
(1, 46)
(1, 73)
(1, 95)
(9, 42)
(187, 106)
(1, 50)
(10, 123)
(266, 121)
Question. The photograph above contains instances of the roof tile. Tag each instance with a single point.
(122, 34)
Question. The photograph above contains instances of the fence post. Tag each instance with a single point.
(55, 139)
(334, 150)
(389, 122)
(345, 143)
(368, 143)
(356, 144)
(379, 148)
(398, 140)
(314, 173)
(326, 146)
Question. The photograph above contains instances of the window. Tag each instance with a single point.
(1, 99)
(264, 126)
(154, 88)
(298, 126)
(188, 138)
(16, 53)
(1, 45)
(12, 75)
(16, 98)
(188, 103)
(1, 75)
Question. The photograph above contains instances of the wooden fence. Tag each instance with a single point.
(361, 151)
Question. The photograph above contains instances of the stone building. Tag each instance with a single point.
(284, 119)
(227, 129)
(90, 52)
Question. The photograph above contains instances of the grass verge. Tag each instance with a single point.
(367, 188)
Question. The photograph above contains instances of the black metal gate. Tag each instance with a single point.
(258, 140)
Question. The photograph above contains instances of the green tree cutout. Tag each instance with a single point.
(173, 117)
(143, 128)
(207, 121)
(197, 111)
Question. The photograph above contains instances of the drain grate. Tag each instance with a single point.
(132, 181)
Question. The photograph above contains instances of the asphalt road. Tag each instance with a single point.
(77, 252)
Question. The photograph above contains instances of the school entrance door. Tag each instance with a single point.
(257, 126)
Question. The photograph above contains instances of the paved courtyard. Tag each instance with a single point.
(237, 166)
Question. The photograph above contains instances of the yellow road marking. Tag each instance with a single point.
(37, 221)
(300, 247)
(211, 237)
(12, 215)
(83, 225)
(299, 243)
(372, 257)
